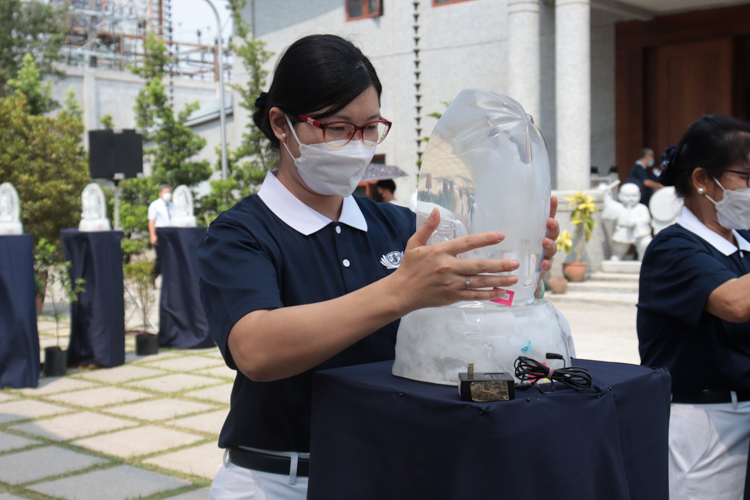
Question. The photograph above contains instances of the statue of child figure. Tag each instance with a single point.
(632, 221)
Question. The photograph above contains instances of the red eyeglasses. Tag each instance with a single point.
(337, 134)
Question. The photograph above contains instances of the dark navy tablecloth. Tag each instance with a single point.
(97, 319)
(182, 321)
(377, 436)
(19, 339)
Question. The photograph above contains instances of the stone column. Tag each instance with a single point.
(573, 93)
(524, 80)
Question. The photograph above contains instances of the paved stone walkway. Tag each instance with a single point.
(147, 429)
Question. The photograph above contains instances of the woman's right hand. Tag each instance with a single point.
(433, 276)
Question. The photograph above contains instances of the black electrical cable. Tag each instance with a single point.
(530, 371)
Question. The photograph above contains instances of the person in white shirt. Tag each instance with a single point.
(159, 215)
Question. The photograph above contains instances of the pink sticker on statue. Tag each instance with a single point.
(506, 299)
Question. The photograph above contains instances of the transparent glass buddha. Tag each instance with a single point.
(485, 168)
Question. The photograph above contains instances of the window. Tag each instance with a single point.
(435, 3)
(362, 9)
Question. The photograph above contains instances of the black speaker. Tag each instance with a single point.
(115, 154)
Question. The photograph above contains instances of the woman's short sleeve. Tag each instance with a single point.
(238, 276)
(678, 274)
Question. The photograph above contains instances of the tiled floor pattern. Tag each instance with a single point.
(147, 429)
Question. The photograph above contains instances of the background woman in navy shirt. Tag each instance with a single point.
(304, 276)
(694, 308)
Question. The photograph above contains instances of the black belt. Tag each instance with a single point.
(267, 463)
(709, 397)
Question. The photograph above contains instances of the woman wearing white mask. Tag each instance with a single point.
(303, 276)
(694, 309)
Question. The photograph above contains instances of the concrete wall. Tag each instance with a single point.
(462, 45)
(104, 92)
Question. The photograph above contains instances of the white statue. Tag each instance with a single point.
(94, 217)
(665, 208)
(183, 208)
(10, 222)
(632, 221)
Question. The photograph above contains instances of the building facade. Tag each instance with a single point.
(602, 78)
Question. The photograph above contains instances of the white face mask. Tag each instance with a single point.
(167, 197)
(331, 171)
(733, 210)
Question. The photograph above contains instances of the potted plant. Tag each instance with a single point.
(62, 291)
(138, 283)
(582, 218)
(44, 258)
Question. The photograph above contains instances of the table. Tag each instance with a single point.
(97, 318)
(377, 436)
(19, 339)
(182, 320)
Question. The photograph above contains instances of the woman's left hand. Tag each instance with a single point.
(553, 231)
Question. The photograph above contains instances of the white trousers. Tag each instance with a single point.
(708, 447)
(233, 482)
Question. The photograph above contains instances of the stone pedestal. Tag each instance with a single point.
(573, 93)
(524, 81)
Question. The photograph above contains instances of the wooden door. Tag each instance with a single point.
(693, 79)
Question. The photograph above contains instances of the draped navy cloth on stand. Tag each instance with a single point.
(182, 321)
(19, 339)
(97, 319)
(378, 436)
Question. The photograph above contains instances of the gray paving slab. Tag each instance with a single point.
(175, 382)
(8, 496)
(204, 460)
(220, 371)
(201, 494)
(56, 385)
(47, 342)
(220, 393)
(215, 354)
(101, 396)
(46, 326)
(73, 426)
(132, 357)
(606, 333)
(160, 409)
(138, 441)
(6, 397)
(185, 363)
(117, 483)
(121, 374)
(205, 422)
(13, 442)
(28, 408)
(32, 465)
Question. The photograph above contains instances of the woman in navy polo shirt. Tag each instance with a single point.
(694, 309)
(303, 276)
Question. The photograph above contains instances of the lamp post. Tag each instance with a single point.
(222, 118)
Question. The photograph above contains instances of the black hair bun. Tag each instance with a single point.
(260, 102)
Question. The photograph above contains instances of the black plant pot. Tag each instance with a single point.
(55, 361)
(146, 343)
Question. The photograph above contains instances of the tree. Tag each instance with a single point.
(175, 144)
(29, 83)
(247, 165)
(43, 158)
(29, 27)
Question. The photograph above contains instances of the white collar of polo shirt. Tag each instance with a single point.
(689, 221)
(299, 216)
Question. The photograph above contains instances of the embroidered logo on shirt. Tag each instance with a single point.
(392, 260)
